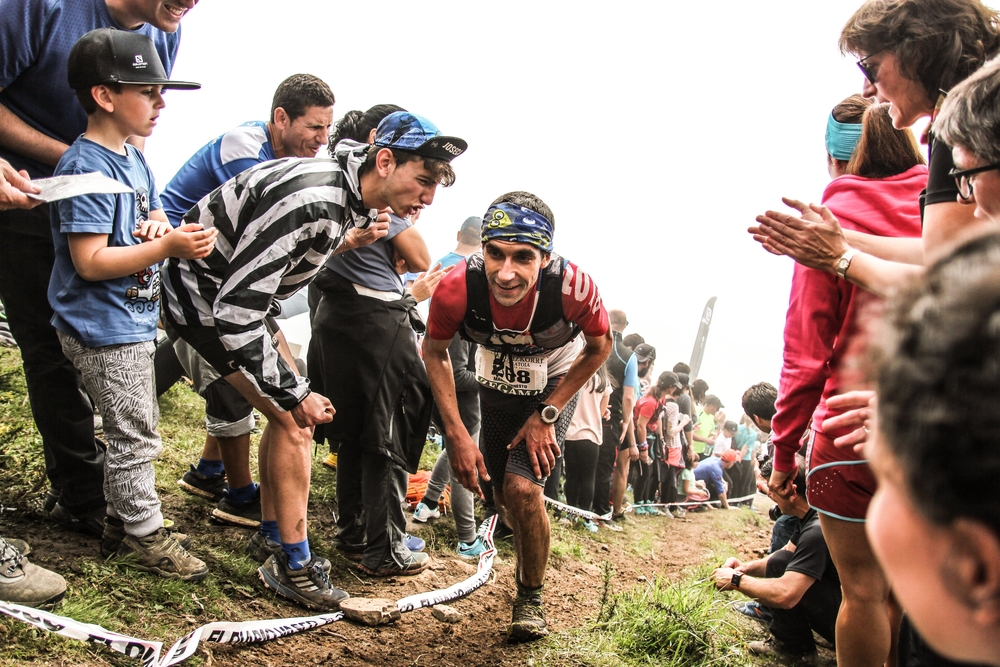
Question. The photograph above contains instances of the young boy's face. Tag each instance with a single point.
(136, 108)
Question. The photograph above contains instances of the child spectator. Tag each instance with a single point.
(724, 440)
(105, 286)
(688, 488)
(671, 458)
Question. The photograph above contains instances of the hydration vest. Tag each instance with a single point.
(549, 328)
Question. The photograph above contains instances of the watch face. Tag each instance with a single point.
(550, 414)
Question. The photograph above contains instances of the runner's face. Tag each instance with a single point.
(137, 108)
(409, 188)
(907, 98)
(163, 14)
(914, 555)
(512, 269)
(304, 136)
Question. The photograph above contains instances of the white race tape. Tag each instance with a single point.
(576, 511)
(245, 632)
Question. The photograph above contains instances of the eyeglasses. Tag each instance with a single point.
(964, 181)
(866, 69)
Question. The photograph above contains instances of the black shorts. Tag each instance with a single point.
(503, 416)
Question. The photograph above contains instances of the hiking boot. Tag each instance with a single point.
(308, 586)
(160, 554)
(23, 582)
(422, 513)
(114, 533)
(198, 484)
(528, 620)
(415, 564)
(22, 547)
(246, 515)
(472, 549)
(330, 461)
(777, 649)
(261, 548)
(90, 522)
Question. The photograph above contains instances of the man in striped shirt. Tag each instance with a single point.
(278, 222)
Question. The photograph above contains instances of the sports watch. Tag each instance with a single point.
(735, 582)
(549, 413)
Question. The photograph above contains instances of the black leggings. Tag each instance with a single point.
(581, 464)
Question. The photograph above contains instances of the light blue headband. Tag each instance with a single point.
(841, 138)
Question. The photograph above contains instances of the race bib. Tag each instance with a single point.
(519, 376)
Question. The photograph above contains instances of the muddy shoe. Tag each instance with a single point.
(415, 564)
(160, 554)
(22, 547)
(23, 582)
(197, 484)
(777, 649)
(261, 548)
(352, 552)
(114, 533)
(528, 620)
(90, 522)
(309, 586)
(246, 515)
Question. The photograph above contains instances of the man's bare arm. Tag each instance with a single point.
(19, 137)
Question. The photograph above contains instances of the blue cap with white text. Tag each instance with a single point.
(407, 131)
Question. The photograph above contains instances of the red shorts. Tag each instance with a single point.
(839, 484)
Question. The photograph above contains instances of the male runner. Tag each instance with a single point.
(278, 222)
(525, 306)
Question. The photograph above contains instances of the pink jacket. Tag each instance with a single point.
(823, 309)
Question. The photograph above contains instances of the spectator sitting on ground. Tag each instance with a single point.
(711, 470)
(797, 584)
(689, 488)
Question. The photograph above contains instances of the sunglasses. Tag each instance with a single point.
(963, 180)
(866, 69)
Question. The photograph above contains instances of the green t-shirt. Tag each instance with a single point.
(686, 474)
(704, 428)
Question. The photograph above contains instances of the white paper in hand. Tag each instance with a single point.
(74, 185)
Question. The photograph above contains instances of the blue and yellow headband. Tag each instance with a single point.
(510, 222)
(841, 138)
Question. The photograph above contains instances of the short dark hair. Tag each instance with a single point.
(633, 340)
(440, 170)
(758, 400)
(730, 425)
(800, 475)
(357, 125)
(937, 43)
(681, 367)
(86, 96)
(527, 200)
(300, 91)
(937, 366)
(712, 399)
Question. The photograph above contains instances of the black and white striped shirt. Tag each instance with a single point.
(278, 222)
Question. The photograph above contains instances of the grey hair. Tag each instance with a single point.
(970, 116)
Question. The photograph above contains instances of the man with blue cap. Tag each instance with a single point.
(526, 307)
(278, 222)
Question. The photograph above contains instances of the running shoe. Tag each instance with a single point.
(114, 533)
(212, 488)
(159, 553)
(352, 552)
(415, 564)
(680, 512)
(472, 550)
(246, 515)
(90, 522)
(528, 620)
(414, 543)
(611, 525)
(422, 513)
(261, 548)
(330, 461)
(755, 611)
(590, 526)
(308, 586)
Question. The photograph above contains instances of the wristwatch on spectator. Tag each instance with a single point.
(844, 262)
(735, 582)
(549, 413)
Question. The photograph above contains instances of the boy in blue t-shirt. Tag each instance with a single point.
(105, 286)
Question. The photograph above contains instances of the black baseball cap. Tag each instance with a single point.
(644, 352)
(107, 55)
